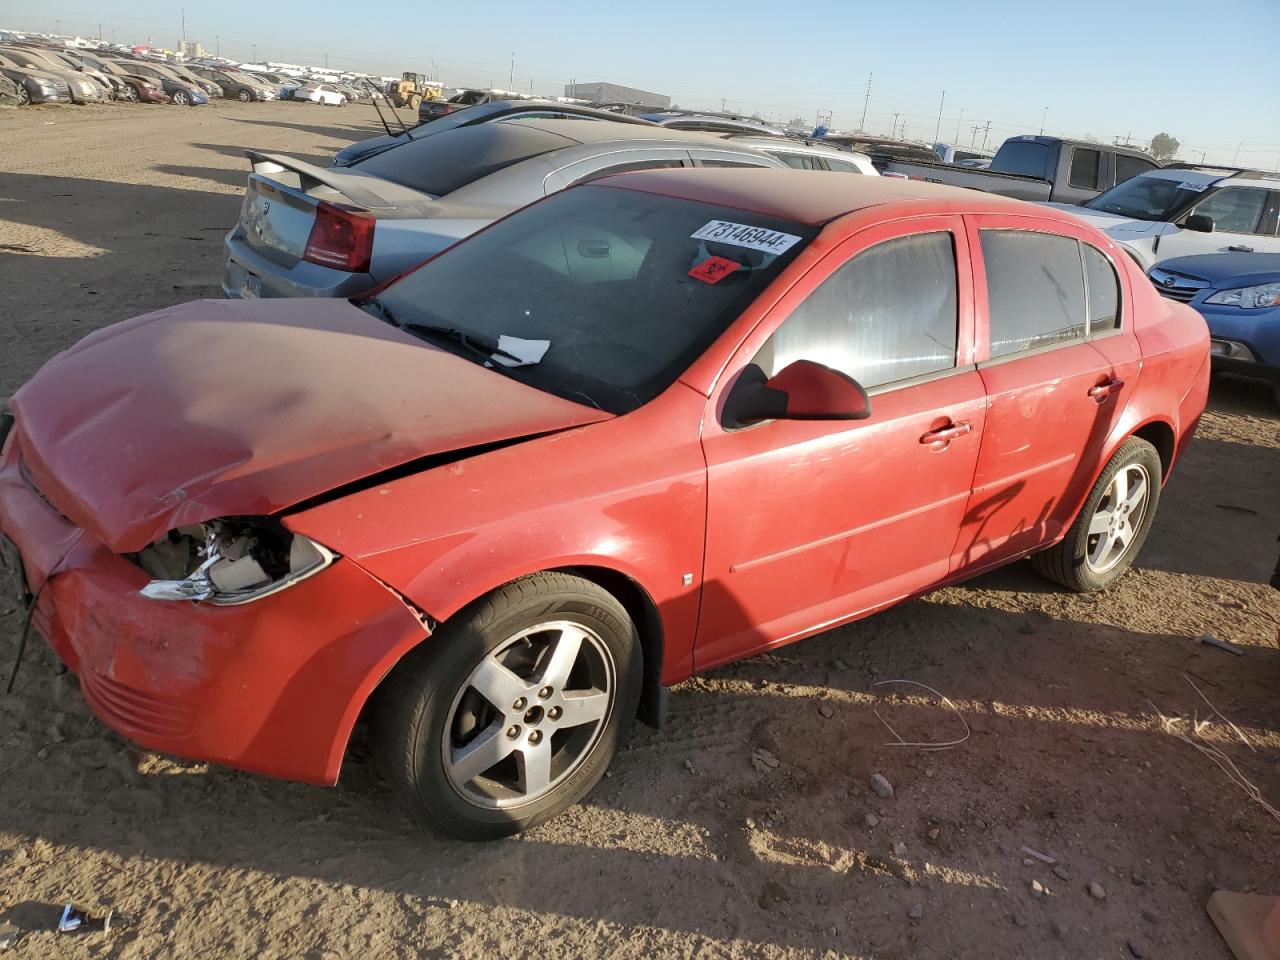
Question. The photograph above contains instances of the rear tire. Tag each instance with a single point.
(559, 662)
(1104, 539)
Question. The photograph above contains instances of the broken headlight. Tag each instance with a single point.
(228, 561)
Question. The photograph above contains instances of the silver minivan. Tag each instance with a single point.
(307, 231)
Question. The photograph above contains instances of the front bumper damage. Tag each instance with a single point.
(273, 686)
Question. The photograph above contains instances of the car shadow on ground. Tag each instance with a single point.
(238, 153)
(337, 130)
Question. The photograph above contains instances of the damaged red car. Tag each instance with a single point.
(644, 427)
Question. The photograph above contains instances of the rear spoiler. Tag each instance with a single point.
(311, 176)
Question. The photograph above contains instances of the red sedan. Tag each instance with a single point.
(641, 428)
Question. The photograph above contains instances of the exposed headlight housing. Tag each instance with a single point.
(1250, 298)
(229, 561)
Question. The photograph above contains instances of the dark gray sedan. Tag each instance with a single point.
(481, 113)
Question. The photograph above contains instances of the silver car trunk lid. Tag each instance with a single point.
(282, 195)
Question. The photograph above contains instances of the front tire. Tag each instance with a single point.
(244, 96)
(1112, 525)
(180, 98)
(511, 713)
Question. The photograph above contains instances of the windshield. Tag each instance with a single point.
(1148, 197)
(612, 284)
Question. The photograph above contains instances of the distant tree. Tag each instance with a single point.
(1090, 138)
(1164, 147)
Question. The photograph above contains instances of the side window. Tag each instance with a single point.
(841, 166)
(887, 315)
(1128, 167)
(1104, 291)
(1035, 290)
(800, 161)
(629, 168)
(1234, 209)
(1084, 168)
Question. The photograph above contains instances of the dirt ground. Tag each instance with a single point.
(689, 848)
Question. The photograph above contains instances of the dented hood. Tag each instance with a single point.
(222, 407)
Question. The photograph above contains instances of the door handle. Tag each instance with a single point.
(948, 433)
(1104, 390)
(1240, 248)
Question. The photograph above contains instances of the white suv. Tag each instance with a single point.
(1179, 211)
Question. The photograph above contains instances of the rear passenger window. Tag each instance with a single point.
(888, 314)
(801, 161)
(1128, 167)
(1084, 169)
(1035, 290)
(1104, 291)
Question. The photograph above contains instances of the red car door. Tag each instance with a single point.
(811, 523)
(1058, 362)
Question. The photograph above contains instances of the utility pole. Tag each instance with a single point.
(862, 124)
(217, 45)
(958, 119)
(985, 134)
(1042, 116)
(184, 25)
(973, 140)
(255, 52)
(722, 104)
(894, 132)
(511, 77)
(1236, 158)
(938, 129)
(326, 61)
(59, 24)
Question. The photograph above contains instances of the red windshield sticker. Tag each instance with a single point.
(714, 269)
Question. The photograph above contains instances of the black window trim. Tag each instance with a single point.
(1089, 336)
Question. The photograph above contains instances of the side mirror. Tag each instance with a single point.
(803, 390)
(1199, 223)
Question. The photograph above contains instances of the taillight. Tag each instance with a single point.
(340, 238)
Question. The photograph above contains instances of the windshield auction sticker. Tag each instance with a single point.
(714, 269)
(745, 235)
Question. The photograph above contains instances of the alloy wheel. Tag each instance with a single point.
(529, 715)
(1118, 518)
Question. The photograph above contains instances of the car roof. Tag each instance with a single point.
(815, 197)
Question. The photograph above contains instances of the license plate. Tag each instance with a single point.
(250, 287)
(13, 581)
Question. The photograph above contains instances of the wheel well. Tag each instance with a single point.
(644, 614)
(1160, 436)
